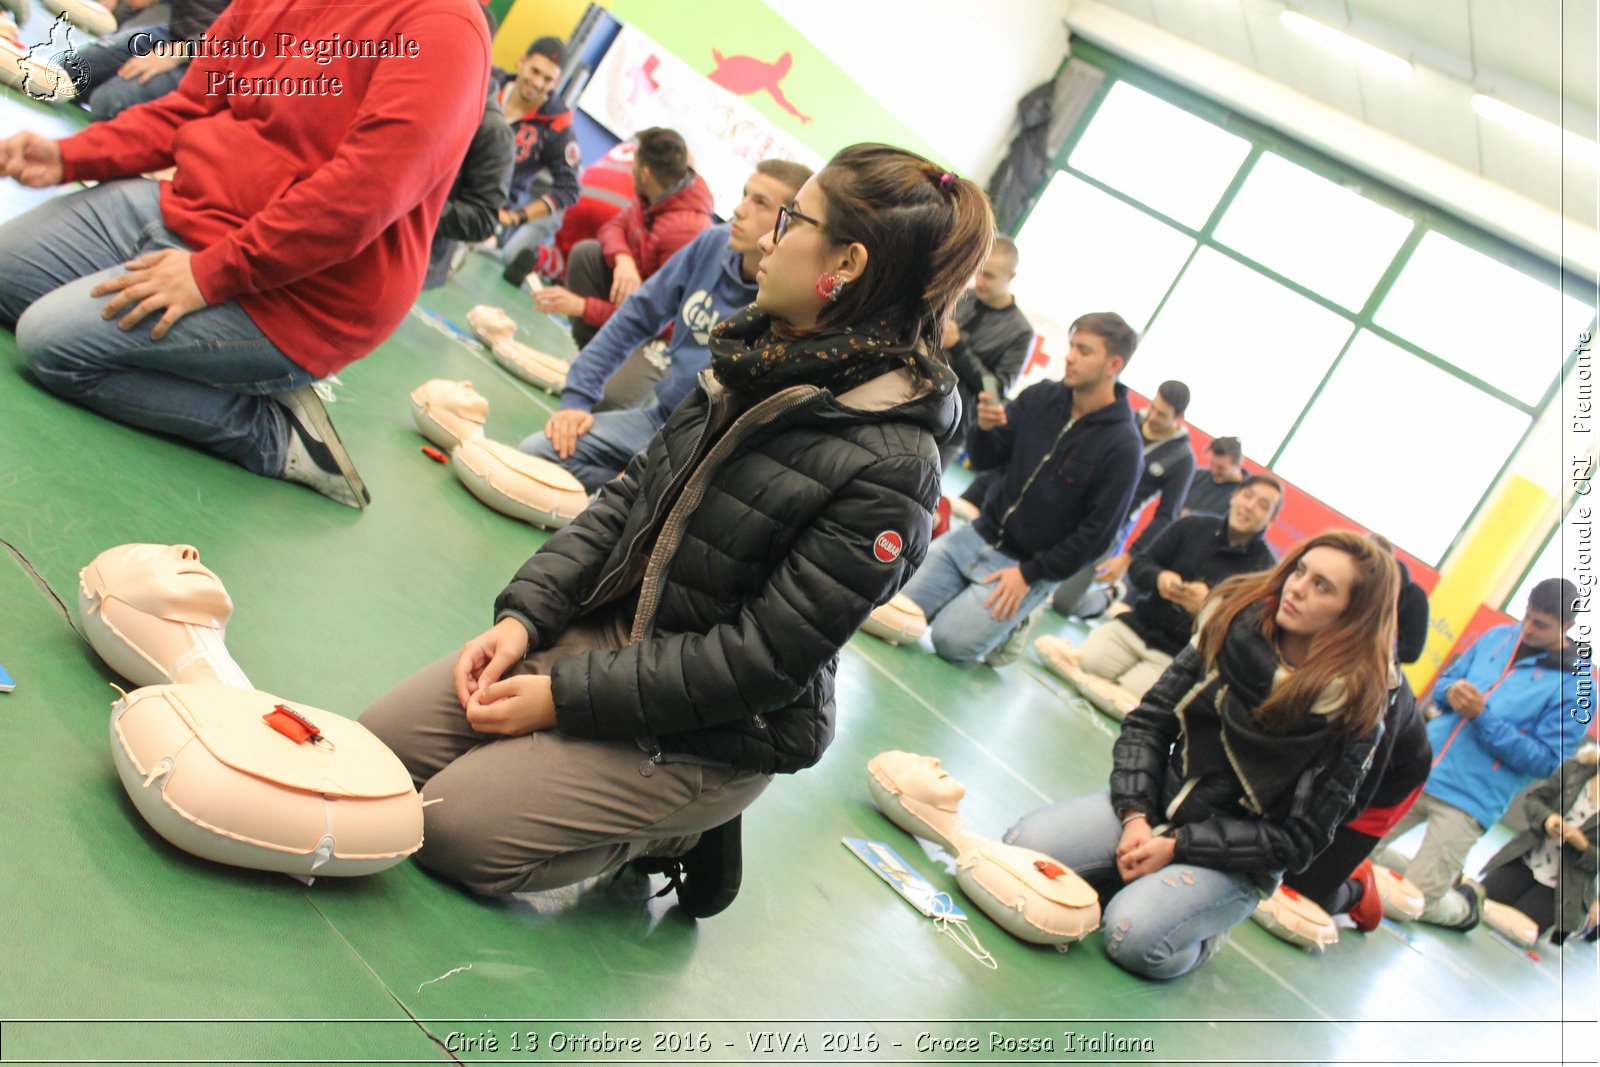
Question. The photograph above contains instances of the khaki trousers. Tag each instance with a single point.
(544, 810)
(1440, 858)
(1112, 650)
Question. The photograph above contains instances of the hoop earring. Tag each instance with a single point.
(830, 286)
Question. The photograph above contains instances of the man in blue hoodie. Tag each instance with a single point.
(1511, 712)
(1069, 454)
(703, 283)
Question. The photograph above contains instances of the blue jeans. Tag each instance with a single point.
(1159, 925)
(207, 381)
(949, 589)
(100, 60)
(614, 439)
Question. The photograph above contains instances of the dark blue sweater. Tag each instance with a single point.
(1066, 488)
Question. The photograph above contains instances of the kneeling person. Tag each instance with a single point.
(1068, 454)
(1173, 579)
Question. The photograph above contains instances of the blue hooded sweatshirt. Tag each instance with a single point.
(1539, 709)
(694, 290)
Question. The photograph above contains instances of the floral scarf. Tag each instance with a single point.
(748, 358)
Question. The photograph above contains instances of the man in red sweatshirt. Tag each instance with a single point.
(315, 143)
(672, 205)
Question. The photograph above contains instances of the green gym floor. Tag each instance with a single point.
(117, 948)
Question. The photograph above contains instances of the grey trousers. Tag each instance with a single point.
(544, 810)
(1439, 859)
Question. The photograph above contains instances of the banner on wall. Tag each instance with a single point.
(639, 84)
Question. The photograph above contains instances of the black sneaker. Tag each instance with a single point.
(313, 454)
(1473, 894)
(712, 870)
(521, 266)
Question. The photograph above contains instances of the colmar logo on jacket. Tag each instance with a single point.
(887, 546)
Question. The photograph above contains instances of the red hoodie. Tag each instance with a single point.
(651, 235)
(314, 211)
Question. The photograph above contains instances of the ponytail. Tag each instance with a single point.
(926, 232)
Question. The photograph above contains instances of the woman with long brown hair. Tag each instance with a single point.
(1242, 759)
(658, 660)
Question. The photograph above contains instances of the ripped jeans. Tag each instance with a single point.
(1160, 925)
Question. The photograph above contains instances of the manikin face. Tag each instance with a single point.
(1252, 509)
(924, 778)
(1542, 631)
(167, 581)
(786, 279)
(993, 280)
(536, 77)
(1088, 362)
(753, 219)
(1317, 592)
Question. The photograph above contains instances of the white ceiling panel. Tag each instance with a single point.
(1539, 55)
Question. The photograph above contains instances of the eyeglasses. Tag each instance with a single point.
(781, 227)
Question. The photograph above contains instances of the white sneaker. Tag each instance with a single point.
(313, 454)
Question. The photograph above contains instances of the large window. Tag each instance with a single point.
(1386, 358)
(1159, 154)
(1388, 428)
(1251, 351)
(1073, 257)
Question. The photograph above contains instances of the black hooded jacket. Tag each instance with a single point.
(755, 546)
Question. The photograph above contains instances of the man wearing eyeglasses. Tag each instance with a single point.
(703, 283)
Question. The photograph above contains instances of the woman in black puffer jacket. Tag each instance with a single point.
(1242, 759)
(660, 658)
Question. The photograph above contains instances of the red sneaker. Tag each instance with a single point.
(1368, 910)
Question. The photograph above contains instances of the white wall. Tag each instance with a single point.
(951, 70)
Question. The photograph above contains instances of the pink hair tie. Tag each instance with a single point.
(947, 180)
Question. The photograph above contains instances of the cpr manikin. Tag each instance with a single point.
(1027, 893)
(448, 413)
(1290, 917)
(1064, 659)
(452, 416)
(898, 621)
(496, 330)
(36, 75)
(216, 767)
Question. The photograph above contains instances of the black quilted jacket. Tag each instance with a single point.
(791, 526)
(1215, 826)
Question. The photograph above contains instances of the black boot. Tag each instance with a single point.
(712, 870)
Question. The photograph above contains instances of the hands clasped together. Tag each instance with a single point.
(521, 704)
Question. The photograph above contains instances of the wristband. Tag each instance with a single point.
(1126, 819)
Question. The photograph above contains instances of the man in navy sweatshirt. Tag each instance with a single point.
(703, 283)
(1070, 453)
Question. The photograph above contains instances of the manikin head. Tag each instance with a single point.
(155, 614)
(164, 581)
(923, 778)
(448, 412)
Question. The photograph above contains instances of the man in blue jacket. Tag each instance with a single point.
(1071, 455)
(1510, 715)
(703, 283)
